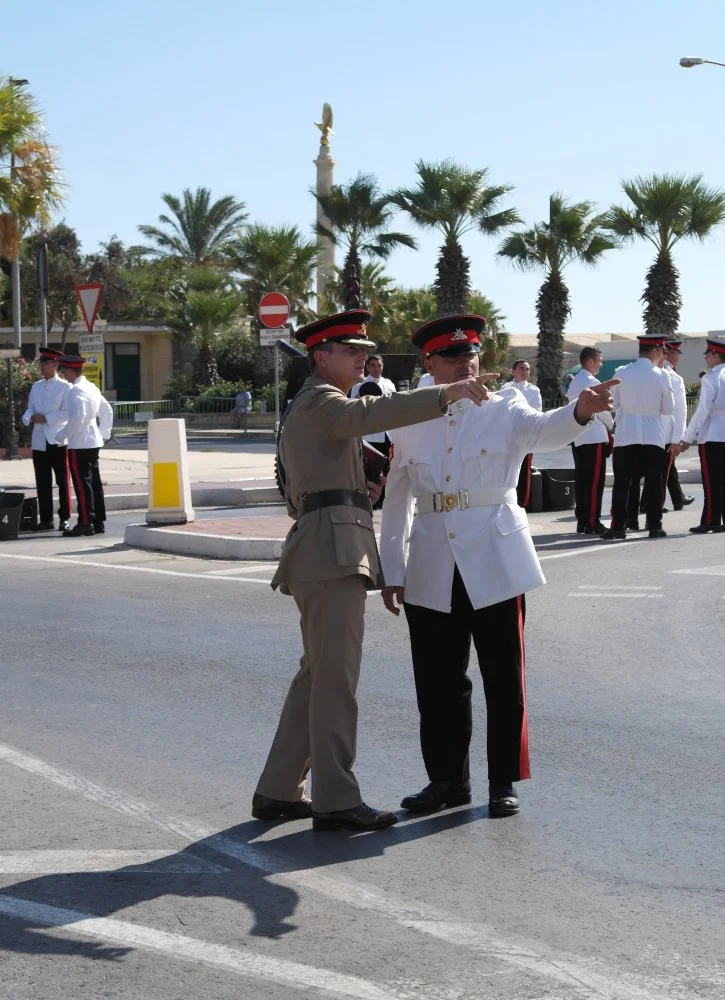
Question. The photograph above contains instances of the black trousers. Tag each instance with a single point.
(87, 485)
(631, 462)
(590, 468)
(712, 463)
(523, 487)
(46, 464)
(637, 503)
(441, 647)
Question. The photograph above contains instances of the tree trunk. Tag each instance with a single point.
(662, 296)
(552, 311)
(352, 292)
(205, 369)
(452, 285)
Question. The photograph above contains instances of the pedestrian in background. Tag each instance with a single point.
(243, 406)
(590, 450)
(521, 370)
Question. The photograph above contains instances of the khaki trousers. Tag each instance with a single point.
(318, 725)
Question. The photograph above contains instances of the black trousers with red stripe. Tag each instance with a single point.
(630, 463)
(441, 648)
(52, 462)
(523, 487)
(638, 504)
(590, 467)
(87, 485)
(712, 463)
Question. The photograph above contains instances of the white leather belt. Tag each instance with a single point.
(434, 503)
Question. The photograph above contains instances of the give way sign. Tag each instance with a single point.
(274, 309)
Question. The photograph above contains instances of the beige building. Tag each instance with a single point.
(137, 355)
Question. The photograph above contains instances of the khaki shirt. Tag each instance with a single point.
(320, 450)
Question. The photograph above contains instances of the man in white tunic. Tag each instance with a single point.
(46, 404)
(590, 450)
(462, 564)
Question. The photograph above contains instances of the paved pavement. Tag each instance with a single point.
(140, 693)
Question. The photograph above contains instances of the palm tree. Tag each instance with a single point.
(495, 346)
(455, 200)
(572, 233)
(666, 208)
(201, 305)
(359, 214)
(279, 259)
(198, 230)
(30, 188)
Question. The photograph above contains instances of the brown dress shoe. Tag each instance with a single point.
(267, 809)
(360, 817)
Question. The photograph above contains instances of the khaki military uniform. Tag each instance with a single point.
(329, 561)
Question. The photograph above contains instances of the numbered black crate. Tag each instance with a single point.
(11, 510)
(558, 487)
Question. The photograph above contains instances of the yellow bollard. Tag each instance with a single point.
(169, 484)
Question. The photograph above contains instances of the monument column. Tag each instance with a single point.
(325, 179)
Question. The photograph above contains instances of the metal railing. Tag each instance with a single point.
(221, 412)
(125, 419)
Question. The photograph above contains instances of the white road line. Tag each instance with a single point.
(614, 586)
(241, 569)
(43, 862)
(533, 958)
(585, 550)
(701, 571)
(130, 569)
(609, 593)
(237, 960)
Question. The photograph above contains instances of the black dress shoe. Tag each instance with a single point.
(702, 529)
(438, 794)
(598, 529)
(610, 534)
(665, 510)
(360, 817)
(685, 502)
(43, 526)
(502, 799)
(100, 528)
(632, 525)
(79, 529)
(581, 529)
(63, 525)
(657, 533)
(267, 809)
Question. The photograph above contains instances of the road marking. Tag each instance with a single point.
(701, 571)
(533, 958)
(241, 569)
(43, 862)
(609, 593)
(588, 550)
(131, 569)
(614, 586)
(237, 960)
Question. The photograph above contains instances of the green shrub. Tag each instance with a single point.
(24, 373)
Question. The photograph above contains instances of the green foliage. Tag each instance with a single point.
(23, 374)
(265, 394)
(198, 231)
(236, 352)
(275, 258)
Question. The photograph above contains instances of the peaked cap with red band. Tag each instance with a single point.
(451, 335)
(650, 340)
(673, 345)
(49, 354)
(718, 346)
(71, 361)
(342, 328)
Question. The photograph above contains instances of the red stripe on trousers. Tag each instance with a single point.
(524, 765)
(527, 494)
(707, 513)
(595, 487)
(67, 484)
(78, 485)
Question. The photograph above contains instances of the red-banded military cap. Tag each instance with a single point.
(450, 335)
(71, 361)
(673, 345)
(718, 346)
(48, 354)
(342, 328)
(652, 339)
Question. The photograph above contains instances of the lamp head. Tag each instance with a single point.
(689, 61)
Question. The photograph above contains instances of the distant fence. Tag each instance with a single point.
(210, 412)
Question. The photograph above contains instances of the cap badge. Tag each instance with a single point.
(459, 335)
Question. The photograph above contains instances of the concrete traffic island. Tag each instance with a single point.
(244, 538)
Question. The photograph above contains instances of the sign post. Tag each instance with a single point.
(273, 311)
(90, 347)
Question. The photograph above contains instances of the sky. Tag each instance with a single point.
(573, 96)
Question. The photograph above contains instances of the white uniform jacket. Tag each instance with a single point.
(387, 388)
(708, 420)
(530, 392)
(90, 416)
(49, 397)
(425, 379)
(596, 432)
(472, 448)
(675, 425)
(642, 398)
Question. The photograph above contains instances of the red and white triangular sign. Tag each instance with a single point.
(89, 297)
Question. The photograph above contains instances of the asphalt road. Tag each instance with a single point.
(140, 694)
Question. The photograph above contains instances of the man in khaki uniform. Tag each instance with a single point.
(328, 563)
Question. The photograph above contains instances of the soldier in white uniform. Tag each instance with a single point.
(374, 376)
(708, 427)
(462, 565)
(641, 400)
(89, 424)
(674, 431)
(46, 404)
(521, 370)
(590, 450)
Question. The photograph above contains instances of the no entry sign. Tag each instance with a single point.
(274, 309)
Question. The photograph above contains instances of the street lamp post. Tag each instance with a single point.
(12, 449)
(687, 62)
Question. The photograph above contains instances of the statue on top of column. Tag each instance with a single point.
(325, 126)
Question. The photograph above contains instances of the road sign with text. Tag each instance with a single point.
(268, 338)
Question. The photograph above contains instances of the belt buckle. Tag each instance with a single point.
(450, 500)
(463, 499)
(437, 503)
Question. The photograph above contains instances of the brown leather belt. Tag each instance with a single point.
(334, 498)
